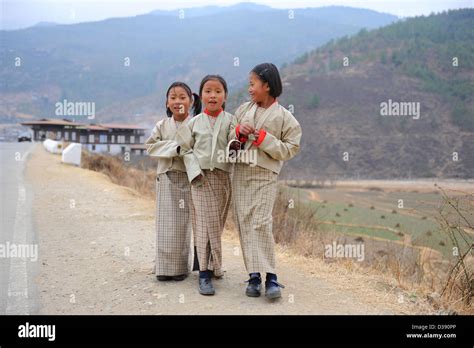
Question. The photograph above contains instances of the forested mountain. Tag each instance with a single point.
(340, 93)
(124, 65)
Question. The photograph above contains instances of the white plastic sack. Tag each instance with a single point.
(72, 154)
(53, 146)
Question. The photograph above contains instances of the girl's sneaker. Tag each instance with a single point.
(205, 287)
(255, 285)
(180, 277)
(163, 278)
(272, 287)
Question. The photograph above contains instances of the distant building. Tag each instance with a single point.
(111, 138)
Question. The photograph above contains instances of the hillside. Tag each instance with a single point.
(340, 109)
(89, 61)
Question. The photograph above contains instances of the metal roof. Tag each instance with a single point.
(65, 122)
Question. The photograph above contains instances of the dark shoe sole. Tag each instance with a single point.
(180, 277)
(206, 293)
(164, 278)
(273, 295)
(252, 294)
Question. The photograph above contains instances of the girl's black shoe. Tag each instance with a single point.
(163, 278)
(255, 285)
(206, 287)
(180, 277)
(272, 289)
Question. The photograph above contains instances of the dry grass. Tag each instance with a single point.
(455, 218)
(296, 225)
(142, 181)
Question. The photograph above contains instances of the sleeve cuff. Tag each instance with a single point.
(242, 138)
(237, 131)
(261, 137)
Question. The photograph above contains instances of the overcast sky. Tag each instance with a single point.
(24, 13)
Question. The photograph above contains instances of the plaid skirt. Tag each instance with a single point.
(211, 202)
(173, 224)
(254, 191)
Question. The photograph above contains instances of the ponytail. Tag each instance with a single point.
(197, 105)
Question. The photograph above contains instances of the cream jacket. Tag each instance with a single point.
(162, 144)
(279, 138)
(204, 147)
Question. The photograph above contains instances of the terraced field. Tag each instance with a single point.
(406, 216)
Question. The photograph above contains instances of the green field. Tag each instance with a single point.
(372, 208)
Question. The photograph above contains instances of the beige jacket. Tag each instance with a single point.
(162, 144)
(278, 141)
(204, 147)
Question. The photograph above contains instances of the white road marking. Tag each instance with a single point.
(17, 300)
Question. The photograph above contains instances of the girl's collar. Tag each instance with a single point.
(213, 114)
(276, 100)
(177, 123)
(175, 120)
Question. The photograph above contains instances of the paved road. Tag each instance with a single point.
(18, 245)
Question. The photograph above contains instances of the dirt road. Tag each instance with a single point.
(96, 255)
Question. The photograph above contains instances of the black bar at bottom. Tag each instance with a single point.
(447, 331)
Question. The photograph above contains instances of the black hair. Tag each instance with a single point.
(268, 72)
(218, 78)
(197, 101)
